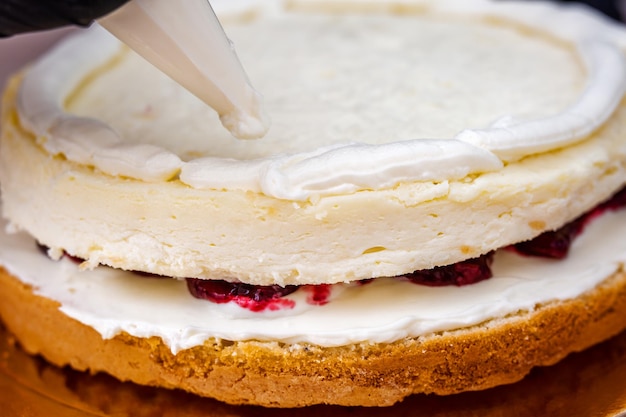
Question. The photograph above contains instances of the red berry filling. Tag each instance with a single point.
(556, 244)
(553, 244)
(461, 273)
(318, 294)
(252, 297)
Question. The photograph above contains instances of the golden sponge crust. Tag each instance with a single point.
(274, 374)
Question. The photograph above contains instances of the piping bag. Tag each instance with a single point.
(185, 40)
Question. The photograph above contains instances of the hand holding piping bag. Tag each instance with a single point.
(21, 16)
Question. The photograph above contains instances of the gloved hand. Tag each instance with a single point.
(19, 16)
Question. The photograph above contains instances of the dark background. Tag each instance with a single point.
(609, 7)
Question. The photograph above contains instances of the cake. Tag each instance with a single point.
(379, 241)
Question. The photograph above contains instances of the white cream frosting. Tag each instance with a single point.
(113, 301)
(295, 171)
(87, 141)
(511, 139)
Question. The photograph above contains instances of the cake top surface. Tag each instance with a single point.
(373, 100)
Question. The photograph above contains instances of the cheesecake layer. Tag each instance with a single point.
(385, 310)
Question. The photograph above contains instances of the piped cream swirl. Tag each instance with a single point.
(512, 140)
(87, 141)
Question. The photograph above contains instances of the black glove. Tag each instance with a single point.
(19, 16)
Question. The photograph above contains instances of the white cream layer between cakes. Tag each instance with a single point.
(398, 142)
(385, 310)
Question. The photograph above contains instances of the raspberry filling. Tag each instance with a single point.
(318, 294)
(556, 244)
(466, 272)
(252, 297)
(552, 244)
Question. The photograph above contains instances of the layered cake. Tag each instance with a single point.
(434, 209)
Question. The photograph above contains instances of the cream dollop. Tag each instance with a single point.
(304, 173)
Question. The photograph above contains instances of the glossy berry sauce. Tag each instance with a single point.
(318, 294)
(256, 297)
(251, 297)
(461, 273)
(556, 244)
(553, 244)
